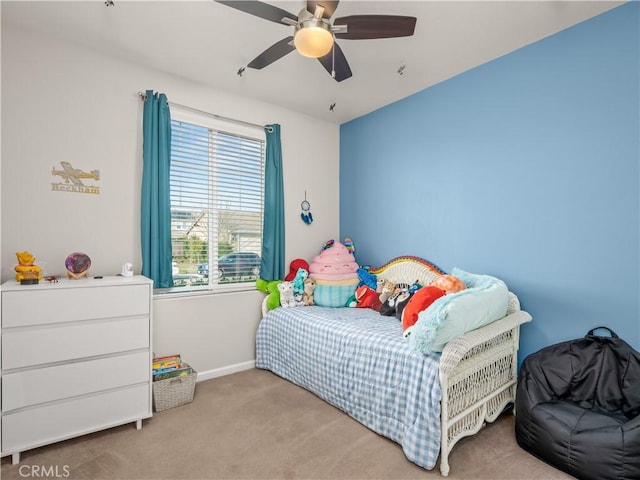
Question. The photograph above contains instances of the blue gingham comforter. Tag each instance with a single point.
(358, 361)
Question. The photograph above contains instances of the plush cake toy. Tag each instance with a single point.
(335, 271)
(334, 263)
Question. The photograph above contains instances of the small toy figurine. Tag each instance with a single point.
(27, 272)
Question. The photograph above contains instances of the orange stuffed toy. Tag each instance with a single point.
(449, 283)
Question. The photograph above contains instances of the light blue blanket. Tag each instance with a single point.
(358, 361)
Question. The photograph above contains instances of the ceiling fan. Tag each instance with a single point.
(314, 32)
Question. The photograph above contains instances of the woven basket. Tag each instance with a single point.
(173, 392)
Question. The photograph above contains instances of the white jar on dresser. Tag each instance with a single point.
(76, 358)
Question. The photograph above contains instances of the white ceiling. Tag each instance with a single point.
(208, 42)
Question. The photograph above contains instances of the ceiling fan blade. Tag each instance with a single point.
(260, 9)
(273, 53)
(364, 27)
(329, 7)
(339, 64)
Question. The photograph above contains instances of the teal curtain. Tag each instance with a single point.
(272, 267)
(156, 204)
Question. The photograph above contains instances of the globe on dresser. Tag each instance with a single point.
(77, 265)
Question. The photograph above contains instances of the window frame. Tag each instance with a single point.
(227, 127)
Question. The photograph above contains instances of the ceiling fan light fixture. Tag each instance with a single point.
(313, 38)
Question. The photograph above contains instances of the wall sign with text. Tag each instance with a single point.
(72, 179)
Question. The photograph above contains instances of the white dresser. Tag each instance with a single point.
(76, 358)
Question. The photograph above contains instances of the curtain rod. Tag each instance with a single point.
(143, 96)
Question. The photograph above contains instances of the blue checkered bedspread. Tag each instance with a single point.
(358, 361)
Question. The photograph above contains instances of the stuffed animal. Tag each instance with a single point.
(351, 302)
(286, 294)
(367, 278)
(298, 281)
(385, 288)
(27, 270)
(309, 287)
(294, 266)
(271, 289)
(388, 307)
(425, 296)
(402, 301)
(449, 283)
(420, 301)
(367, 297)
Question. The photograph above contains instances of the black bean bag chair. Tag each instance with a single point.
(578, 407)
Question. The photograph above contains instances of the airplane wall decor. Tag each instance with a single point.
(72, 179)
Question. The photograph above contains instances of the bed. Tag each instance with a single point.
(358, 361)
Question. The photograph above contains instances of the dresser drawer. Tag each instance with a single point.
(54, 305)
(23, 347)
(61, 420)
(31, 387)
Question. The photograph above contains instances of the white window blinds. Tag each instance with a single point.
(217, 184)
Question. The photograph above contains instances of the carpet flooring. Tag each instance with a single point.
(255, 425)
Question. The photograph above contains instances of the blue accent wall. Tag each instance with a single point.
(526, 168)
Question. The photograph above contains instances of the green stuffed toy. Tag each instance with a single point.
(271, 289)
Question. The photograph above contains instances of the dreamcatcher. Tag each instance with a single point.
(305, 215)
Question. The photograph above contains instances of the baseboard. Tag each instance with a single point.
(228, 370)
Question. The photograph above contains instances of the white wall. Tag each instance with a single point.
(61, 102)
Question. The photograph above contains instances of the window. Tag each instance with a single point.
(217, 185)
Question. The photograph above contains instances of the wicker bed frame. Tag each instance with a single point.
(478, 371)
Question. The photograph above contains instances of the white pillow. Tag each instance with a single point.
(484, 301)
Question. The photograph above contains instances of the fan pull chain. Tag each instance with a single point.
(333, 59)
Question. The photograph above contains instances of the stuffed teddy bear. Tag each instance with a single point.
(286, 294)
(27, 270)
(309, 287)
(385, 288)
